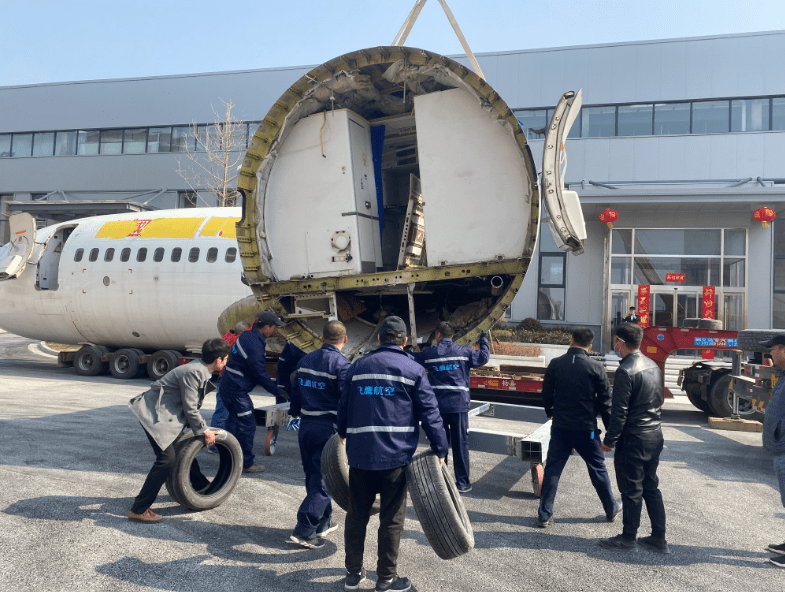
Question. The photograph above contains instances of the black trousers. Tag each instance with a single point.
(363, 487)
(164, 461)
(636, 459)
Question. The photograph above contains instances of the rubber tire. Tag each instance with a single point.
(270, 440)
(87, 361)
(711, 324)
(229, 470)
(721, 402)
(690, 323)
(124, 363)
(439, 507)
(751, 339)
(161, 363)
(335, 473)
(699, 403)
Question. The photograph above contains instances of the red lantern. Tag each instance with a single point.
(764, 216)
(609, 217)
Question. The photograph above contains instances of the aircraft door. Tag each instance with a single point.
(15, 254)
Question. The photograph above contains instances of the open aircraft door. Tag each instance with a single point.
(15, 254)
(562, 207)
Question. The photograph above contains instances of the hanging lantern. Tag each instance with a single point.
(764, 216)
(609, 217)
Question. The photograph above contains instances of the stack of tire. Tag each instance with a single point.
(230, 466)
(435, 498)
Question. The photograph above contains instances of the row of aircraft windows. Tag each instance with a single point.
(158, 254)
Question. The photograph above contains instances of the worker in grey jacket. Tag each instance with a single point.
(774, 431)
(170, 405)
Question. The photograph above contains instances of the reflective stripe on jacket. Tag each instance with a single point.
(247, 366)
(318, 384)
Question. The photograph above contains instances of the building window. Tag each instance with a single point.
(749, 115)
(551, 289)
(778, 114)
(125, 254)
(78, 254)
(180, 137)
(5, 145)
(158, 255)
(671, 118)
(636, 120)
(141, 254)
(43, 144)
(231, 254)
(598, 122)
(159, 139)
(109, 255)
(177, 252)
(212, 254)
(22, 145)
(65, 144)
(87, 142)
(530, 120)
(111, 141)
(710, 117)
(135, 141)
(193, 255)
(93, 255)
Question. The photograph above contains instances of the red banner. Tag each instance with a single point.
(676, 277)
(708, 313)
(643, 305)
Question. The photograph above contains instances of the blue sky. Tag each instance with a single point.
(54, 40)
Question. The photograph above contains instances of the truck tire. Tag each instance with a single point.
(438, 506)
(751, 339)
(161, 363)
(87, 361)
(335, 473)
(230, 466)
(698, 402)
(125, 364)
(721, 400)
(690, 323)
(711, 324)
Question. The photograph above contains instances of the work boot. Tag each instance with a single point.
(393, 583)
(619, 543)
(254, 468)
(353, 581)
(654, 544)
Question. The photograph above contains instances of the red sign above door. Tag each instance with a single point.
(676, 277)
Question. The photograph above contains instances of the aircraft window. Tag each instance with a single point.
(93, 255)
(141, 254)
(125, 254)
(212, 254)
(193, 255)
(78, 254)
(177, 252)
(159, 254)
(231, 254)
(109, 255)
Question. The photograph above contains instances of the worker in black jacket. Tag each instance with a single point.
(636, 433)
(575, 390)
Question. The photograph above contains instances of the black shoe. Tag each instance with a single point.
(464, 488)
(612, 517)
(779, 561)
(545, 523)
(619, 543)
(394, 583)
(314, 543)
(654, 544)
(353, 581)
(778, 549)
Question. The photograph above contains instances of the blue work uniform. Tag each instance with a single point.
(448, 368)
(316, 390)
(246, 368)
(287, 363)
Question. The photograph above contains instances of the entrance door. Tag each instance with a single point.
(669, 308)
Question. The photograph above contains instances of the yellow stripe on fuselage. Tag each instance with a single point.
(168, 228)
(223, 227)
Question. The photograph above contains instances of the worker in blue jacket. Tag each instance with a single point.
(448, 368)
(385, 398)
(287, 364)
(247, 368)
(316, 390)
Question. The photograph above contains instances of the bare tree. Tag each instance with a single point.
(216, 158)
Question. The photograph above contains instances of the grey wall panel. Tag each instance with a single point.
(576, 69)
(759, 303)
(507, 83)
(624, 66)
(648, 60)
(772, 63)
(645, 158)
(698, 69)
(751, 77)
(525, 303)
(621, 159)
(490, 68)
(773, 155)
(553, 85)
(673, 71)
(725, 59)
(723, 163)
(600, 79)
(529, 80)
(749, 150)
(597, 159)
(697, 157)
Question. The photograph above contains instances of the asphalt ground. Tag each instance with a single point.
(73, 457)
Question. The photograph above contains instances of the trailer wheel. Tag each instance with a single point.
(439, 506)
(722, 401)
(87, 361)
(270, 440)
(698, 402)
(125, 364)
(751, 339)
(711, 324)
(229, 469)
(538, 474)
(161, 363)
(690, 323)
(335, 473)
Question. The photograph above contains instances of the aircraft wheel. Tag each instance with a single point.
(161, 363)
(87, 361)
(124, 363)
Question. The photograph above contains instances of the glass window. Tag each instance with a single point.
(621, 242)
(212, 254)
(159, 139)
(111, 141)
(109, 255)
(158, 255)
(65, 144)
(749, 115)
(710, 117)
(778, 114)
(698, 272)
(575, 130)
(550, 304)
(22, 145)
(177, 252)
(134, 141)
(141, 254)
(677, 242)
(533, 119)
(733, 273)
(5, 145)
(78, 254)
(180, 139)
(671, 118)
(231, 254)
(240, 136)
(125, 254)
(735, 240)
(635, 120)
(193, 255)
(620, 270)
(43, 143)
(552, 269)
(93, 255)
(598, 122)
(87, 142)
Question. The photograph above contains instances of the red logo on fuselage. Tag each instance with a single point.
(140, 224)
